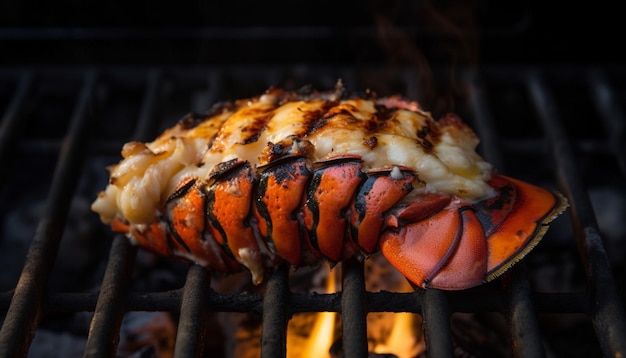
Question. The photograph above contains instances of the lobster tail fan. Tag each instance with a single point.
(516, 220)
(462, 244)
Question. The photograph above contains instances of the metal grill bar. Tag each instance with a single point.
(110, 309)
(432, 304)
(197, 296)
(145, 130)
(9, 124)
(566, 302)
(195, 303)
(26, 306)
(353, 309)
(437, 333)
(111, 306)
(193, 313)
(483, 119)
(611, 113)
(275, 315)
(606, 309)
(304, 302)
(521, 316)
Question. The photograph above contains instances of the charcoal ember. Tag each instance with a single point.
(240, 333)
(480, 335)
(47, 343)
(145, 333)
(336, 351)
(78, 259)
(244, 335)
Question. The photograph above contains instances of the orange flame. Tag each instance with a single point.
(322, 334)
(311, 335)
(403, 342)
(318, 343)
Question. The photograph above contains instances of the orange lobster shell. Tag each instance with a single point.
(227, 206)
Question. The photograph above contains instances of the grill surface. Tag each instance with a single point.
(60, 127)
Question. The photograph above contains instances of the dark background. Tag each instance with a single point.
(351, 32)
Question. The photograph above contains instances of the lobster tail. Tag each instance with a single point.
(298, 177)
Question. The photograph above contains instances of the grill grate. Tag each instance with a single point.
(158, 94)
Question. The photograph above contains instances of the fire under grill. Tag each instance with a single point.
(63, 272)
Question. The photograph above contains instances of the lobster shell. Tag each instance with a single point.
(300, 177)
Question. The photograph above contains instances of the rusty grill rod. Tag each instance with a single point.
(606, 310)
(275, 315)
(612, 114)
(193, 313)
(467, 302)
(196, 296)
(25, 310)
(10, 122)
(437, 333)
(521, 317)
(110, 309)
(353, 309)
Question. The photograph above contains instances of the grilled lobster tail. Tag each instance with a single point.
(299, 177)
